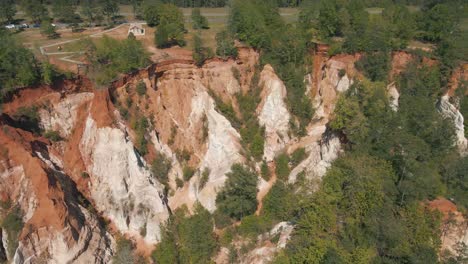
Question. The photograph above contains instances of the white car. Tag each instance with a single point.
(11, 26)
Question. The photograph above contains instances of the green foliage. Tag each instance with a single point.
(205, 176)
(225, 109)
(171, 27)
(48, 30)
(18, 67)
(200, 54)
(34, 9)
(7, 10)
(280, 203)
(160, 168)
(456, 178)
(239, 196)
(199, 21)
(64, 11)
(253, 135)
(375, 66)
(140, 126)
(179, 183)
(12, 225)
(225, 46)
(49, 73)
(282, 166)
(53, 136)
(141, 88)
(109, 57)
(438, 21)
(265, 171)
(124, 252)
(187, 239)
(298, 156)
(188, 172)
(328, 19)
(109, 9)
(252, 225)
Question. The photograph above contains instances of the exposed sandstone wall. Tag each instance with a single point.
(273, 113)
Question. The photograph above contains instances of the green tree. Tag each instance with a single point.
(18, 66)
(48, 30)
(7, 10)
(239, 195)
(90, 10)
(328, 20)
(282, 166)
(34, 10)
(64, 11)
(199, 21)
(171, 27)
(200, 54)
(109, 9)
(225, 45)
(160, 168)
(438, 22)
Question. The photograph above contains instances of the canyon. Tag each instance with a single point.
(78, 194)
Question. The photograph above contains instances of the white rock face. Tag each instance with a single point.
(62, 116)
(394, 96)
(266, 254)
(450, 111)
(51, 246)
(329, 86)
(321, 155)
(223, 148)
(273, 113)
(122, 188)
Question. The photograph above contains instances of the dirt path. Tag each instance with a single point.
(264, 191)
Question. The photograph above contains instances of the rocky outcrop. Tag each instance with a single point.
(58, 227)
(321, 154)
(454, 228)
(393, 96)
(273, 113)
(60, 114)
(450, 111)
(121, 186)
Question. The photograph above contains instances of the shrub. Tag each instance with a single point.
(265, 171)
(13, 224)
(279, 203)
(124, 252)
(239, 196)
(84, 175)
(188, 173)
(205, 176)
(179, 183)
(225, 45)
(375, 66)
(298, 156)
(199, 21)
(200, 54)
(140, 127)
(253, 225)
(160, 168)
(53, 136)
(282, 166)
(141, 88)
(221, 220)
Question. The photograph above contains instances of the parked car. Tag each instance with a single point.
(36, 25)
(10, 26)
(24, 25)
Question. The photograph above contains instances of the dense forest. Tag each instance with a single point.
(369, 207)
